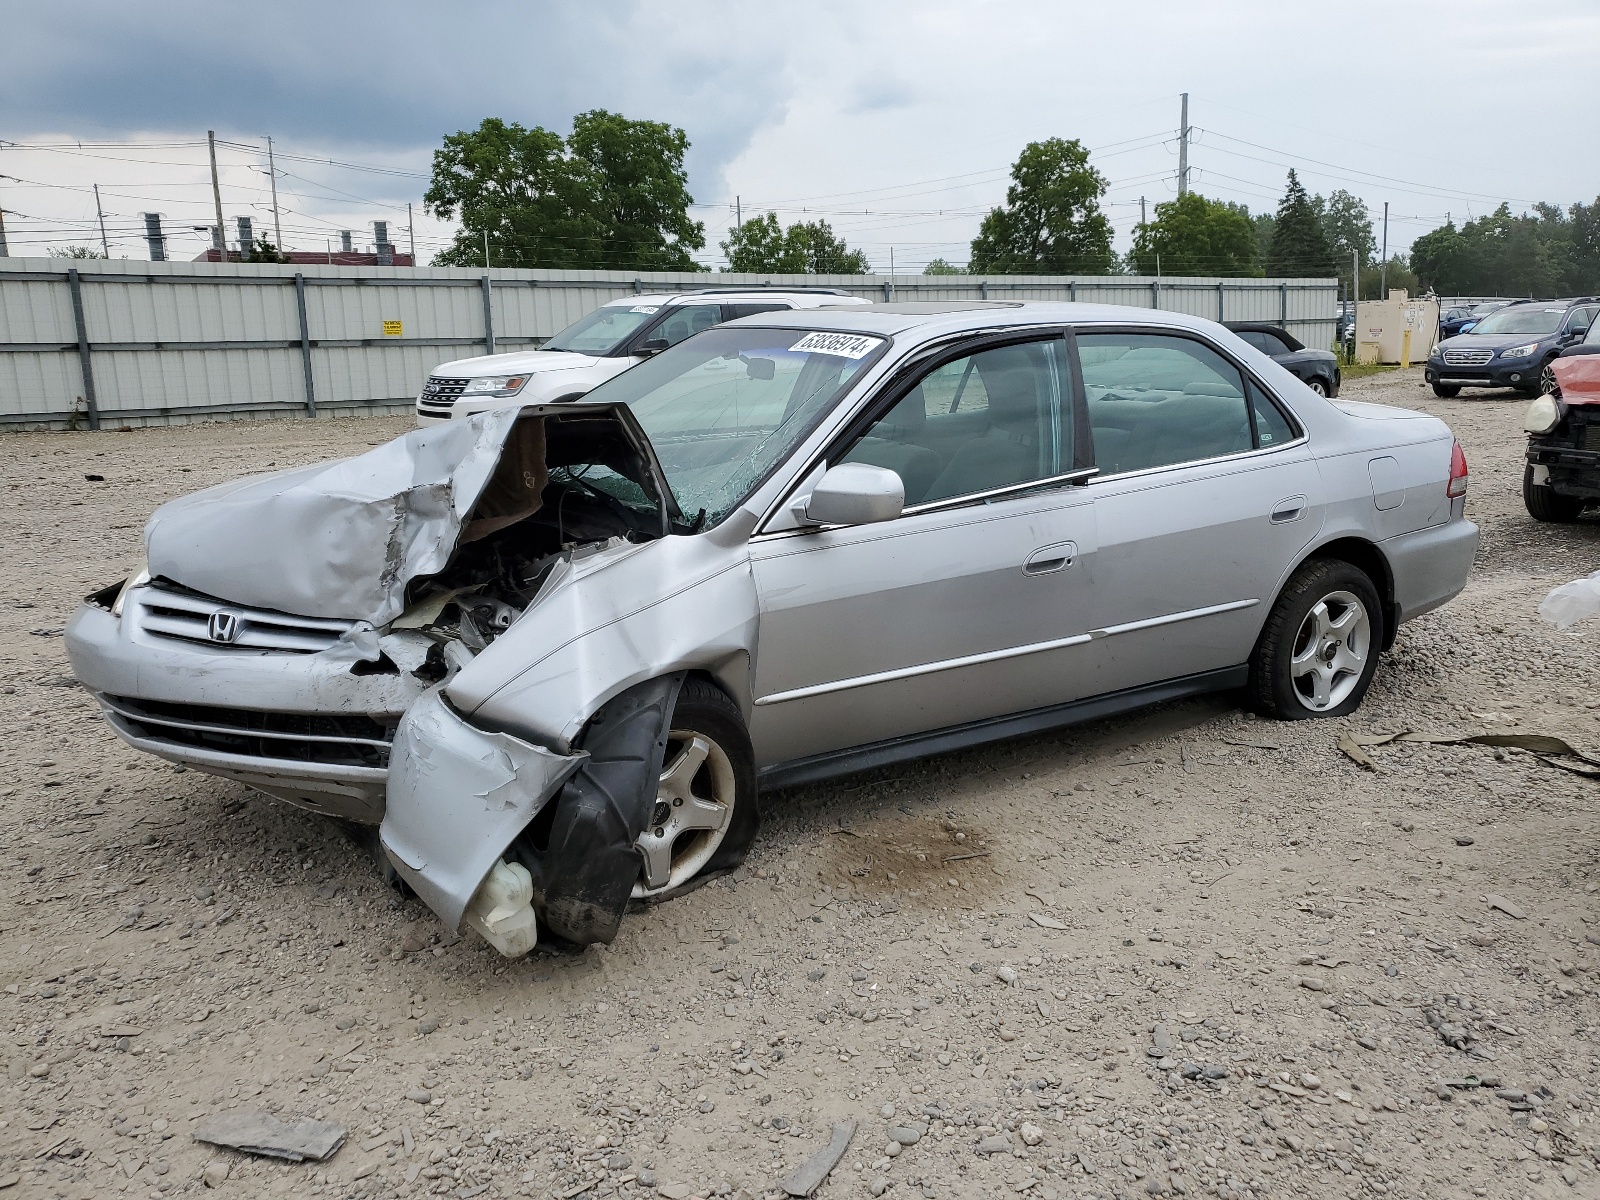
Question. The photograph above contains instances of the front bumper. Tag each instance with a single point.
(457, 796)
(1496, 373)
(301, 727)
(1569, 467)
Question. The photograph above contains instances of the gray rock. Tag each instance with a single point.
(420, 1096)
(427, 1025)
(1161, 1042)
(215, 1173)
(646, 1177)
(995, 1143)
(256, 1131)
(906, 1135)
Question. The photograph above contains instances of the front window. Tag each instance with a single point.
(724, 408)
(603, 330)
(1521, 320)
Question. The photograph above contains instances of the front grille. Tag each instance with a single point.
(190, 617)
(1589, 437)
(440, 393)
(351, 740)
(1467, 358)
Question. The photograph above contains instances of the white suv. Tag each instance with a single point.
(603, 344)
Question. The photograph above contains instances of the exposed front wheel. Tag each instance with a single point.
(1447, 391)
(1316, 385)
(1547, 380)
(1544, 503)
(705, 815)
(1319, 648)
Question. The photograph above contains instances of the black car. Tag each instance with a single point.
(1511, 347)
(1318, 369)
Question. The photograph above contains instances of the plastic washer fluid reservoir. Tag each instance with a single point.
(502, 910)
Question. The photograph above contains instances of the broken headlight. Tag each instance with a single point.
(138, 579)
(1543, 415)
(495, 385)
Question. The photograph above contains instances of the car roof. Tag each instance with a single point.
(932, 318)
(799, 297)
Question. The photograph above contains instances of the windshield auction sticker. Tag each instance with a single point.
(845, 345)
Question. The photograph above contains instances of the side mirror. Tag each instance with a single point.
(652, 346)
(856, 494)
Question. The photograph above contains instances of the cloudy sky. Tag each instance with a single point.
(894, 120)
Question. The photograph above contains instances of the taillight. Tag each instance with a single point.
(1458, 473)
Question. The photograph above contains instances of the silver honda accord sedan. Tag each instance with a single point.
(556, 652)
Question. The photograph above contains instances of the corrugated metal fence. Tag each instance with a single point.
(86, 342)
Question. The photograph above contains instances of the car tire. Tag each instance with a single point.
(1318, 385)
(1318, 651)
(1447, 391)
(708, 734)
(1546, 504)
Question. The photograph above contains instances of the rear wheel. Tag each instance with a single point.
(1319, 649)
(1544, 503)
(1316, 384)
(1447, 391)
(705, 815)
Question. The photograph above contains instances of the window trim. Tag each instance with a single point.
(898, 384)
(1295, 424)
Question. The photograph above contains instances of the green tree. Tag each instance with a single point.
(761, 245)
(1299, 245)
(265, 252)
(1504, 255)
(635, 189)
(939, 267)
(613, 196)
(1051, 223)
(75, 252)
(1192, 235)
(1347, 224)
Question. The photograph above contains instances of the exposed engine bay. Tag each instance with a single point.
(565, 486)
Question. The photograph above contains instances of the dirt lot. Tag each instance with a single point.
(1188, 953)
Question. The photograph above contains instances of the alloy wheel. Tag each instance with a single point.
(1330, 651)
(692, 814)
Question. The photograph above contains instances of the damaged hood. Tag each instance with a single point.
(342, 540)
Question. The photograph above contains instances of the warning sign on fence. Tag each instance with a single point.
(392, 329)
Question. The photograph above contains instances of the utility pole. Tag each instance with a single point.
(411, 232)
(738, 211)
(486, 248)
(216, 195)
(272, 170)
(100, 213)
(1183, 148)
(1383, 272)
(1141, 210)
(5, 251)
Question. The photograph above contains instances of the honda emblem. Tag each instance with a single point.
(223, 626)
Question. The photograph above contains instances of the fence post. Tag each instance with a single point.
(488, 316)
(1283, 305)
(89, 399)
(1072, 291)
(983, 289)
(305, 343)
(1155, 293)
(1220, 308)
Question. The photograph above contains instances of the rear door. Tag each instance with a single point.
(1206, 493)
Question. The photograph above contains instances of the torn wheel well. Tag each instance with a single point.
(1369, 560)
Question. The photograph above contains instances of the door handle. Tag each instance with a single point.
(1055, 557)
(1291, 508)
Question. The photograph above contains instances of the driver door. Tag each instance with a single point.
(971, 605)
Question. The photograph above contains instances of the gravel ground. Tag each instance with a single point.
(1191, 952)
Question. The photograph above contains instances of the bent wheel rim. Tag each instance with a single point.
(692, 814)
(1331, 650)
